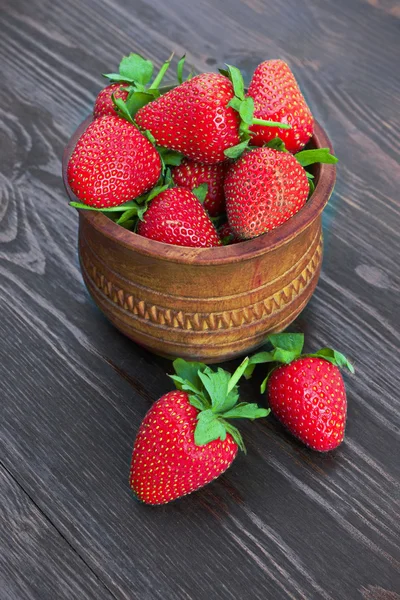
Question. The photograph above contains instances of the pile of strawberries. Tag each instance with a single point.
(203, 164)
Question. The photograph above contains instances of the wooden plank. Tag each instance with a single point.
(36, 562)
(283, 522)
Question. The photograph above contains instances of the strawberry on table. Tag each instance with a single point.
(277, 96)
(176, 216)
(112, 162)
(306, 392)
(186, 440)
(191, 174)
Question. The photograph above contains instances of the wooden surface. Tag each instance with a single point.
(283, 522)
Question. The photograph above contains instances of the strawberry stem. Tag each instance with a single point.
(215, 395)
(160, 75)
(271, 124)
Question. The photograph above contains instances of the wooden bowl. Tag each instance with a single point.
(205, 304)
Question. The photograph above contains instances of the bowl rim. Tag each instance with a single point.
(325, 177)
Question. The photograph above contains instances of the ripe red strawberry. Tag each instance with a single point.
(176, 216)
(104, 104)
(113, 162)
(190, 174)
(263, 189)
(307, 393)
(194, 118)
(134, 75)
(184, 441)
(227, 236)
(278, 97)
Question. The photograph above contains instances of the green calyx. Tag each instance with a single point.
(288, 347)
(245, 107)
(215, 395)
(136, 72)
(201, 192)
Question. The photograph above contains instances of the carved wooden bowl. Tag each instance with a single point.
(206, 304)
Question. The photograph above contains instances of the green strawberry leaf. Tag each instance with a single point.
(293, 342)
(257, 359)
(236, 151)
(155, 191)
(129, 224)
(115, 77)
(136, 68)
(319, 155)
(137, 100)
(309, 175)
(265, 123)
(237, 374)
(179, 69)
(201, 192)
(122, 109)
(246, 411)
(237, 81)
(277, 144)
(312, 187)
(160, 75)
(127, 215)
(216, 384)
(184, 384)
(224, 72)
(120, 208)
(235, 433)
(197, 402)
(246, 110)
(189, 371)
(208, 428)
(235, 103)
(170, 157)
(334, 357)
(150, 137)
(264, 383)
(229, 402)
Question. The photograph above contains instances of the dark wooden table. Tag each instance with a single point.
(283, 522)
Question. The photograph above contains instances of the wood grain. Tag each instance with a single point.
(35, 560)
(283, 522)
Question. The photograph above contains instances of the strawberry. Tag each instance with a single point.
(263, 189)
(227, 236)
(176, 216)
(190, 174)
(266, 186)
(206, 118)
(307, 392)
(112, 163)
(130, 84)
(185, 440)
(104, 104)
(194, 118)
(277, 97)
